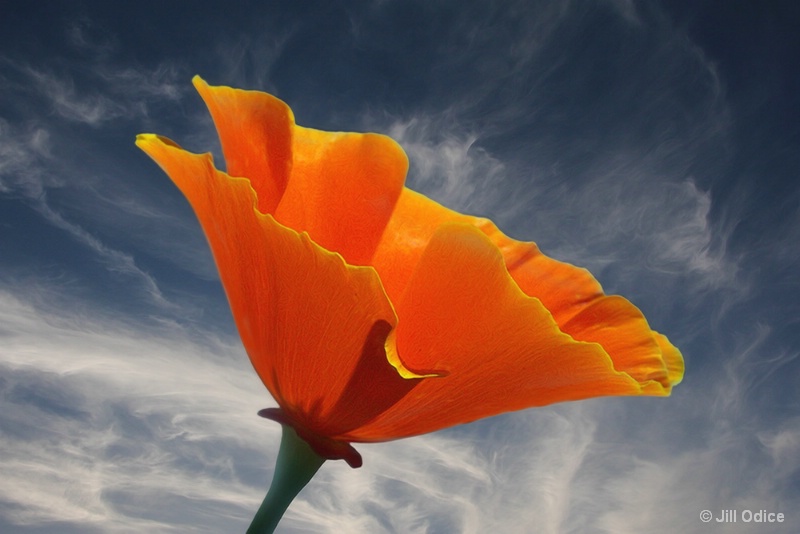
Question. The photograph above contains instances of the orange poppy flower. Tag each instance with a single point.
(373, 313)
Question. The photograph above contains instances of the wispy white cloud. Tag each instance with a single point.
(139, 210)
(22, 150)
(661, 224)
(783, 447)
(117, 93)
(164, 82)
(100, 94)
(39, 152)
(69, 103)
(446, 164)
(90, 38)
(97, 418)
(247, 61)
(116, 260)
(28, 170)
(734, 457)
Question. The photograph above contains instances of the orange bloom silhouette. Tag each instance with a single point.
(373, 313)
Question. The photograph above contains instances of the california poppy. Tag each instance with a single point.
(373, 313)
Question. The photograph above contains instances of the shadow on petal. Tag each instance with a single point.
(373, 387)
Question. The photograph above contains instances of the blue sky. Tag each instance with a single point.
(655, 143)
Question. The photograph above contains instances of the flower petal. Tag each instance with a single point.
(567, 292)
(312, 325)
(414, 221)
(343, 189)
(621, 329)
(503, 351)
(672, 358)
(581, 309)
(563, 288)
(339, 187)
(255, 131)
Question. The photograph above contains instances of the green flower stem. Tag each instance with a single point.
(297, 463)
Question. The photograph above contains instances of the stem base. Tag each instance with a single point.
(296, 465)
